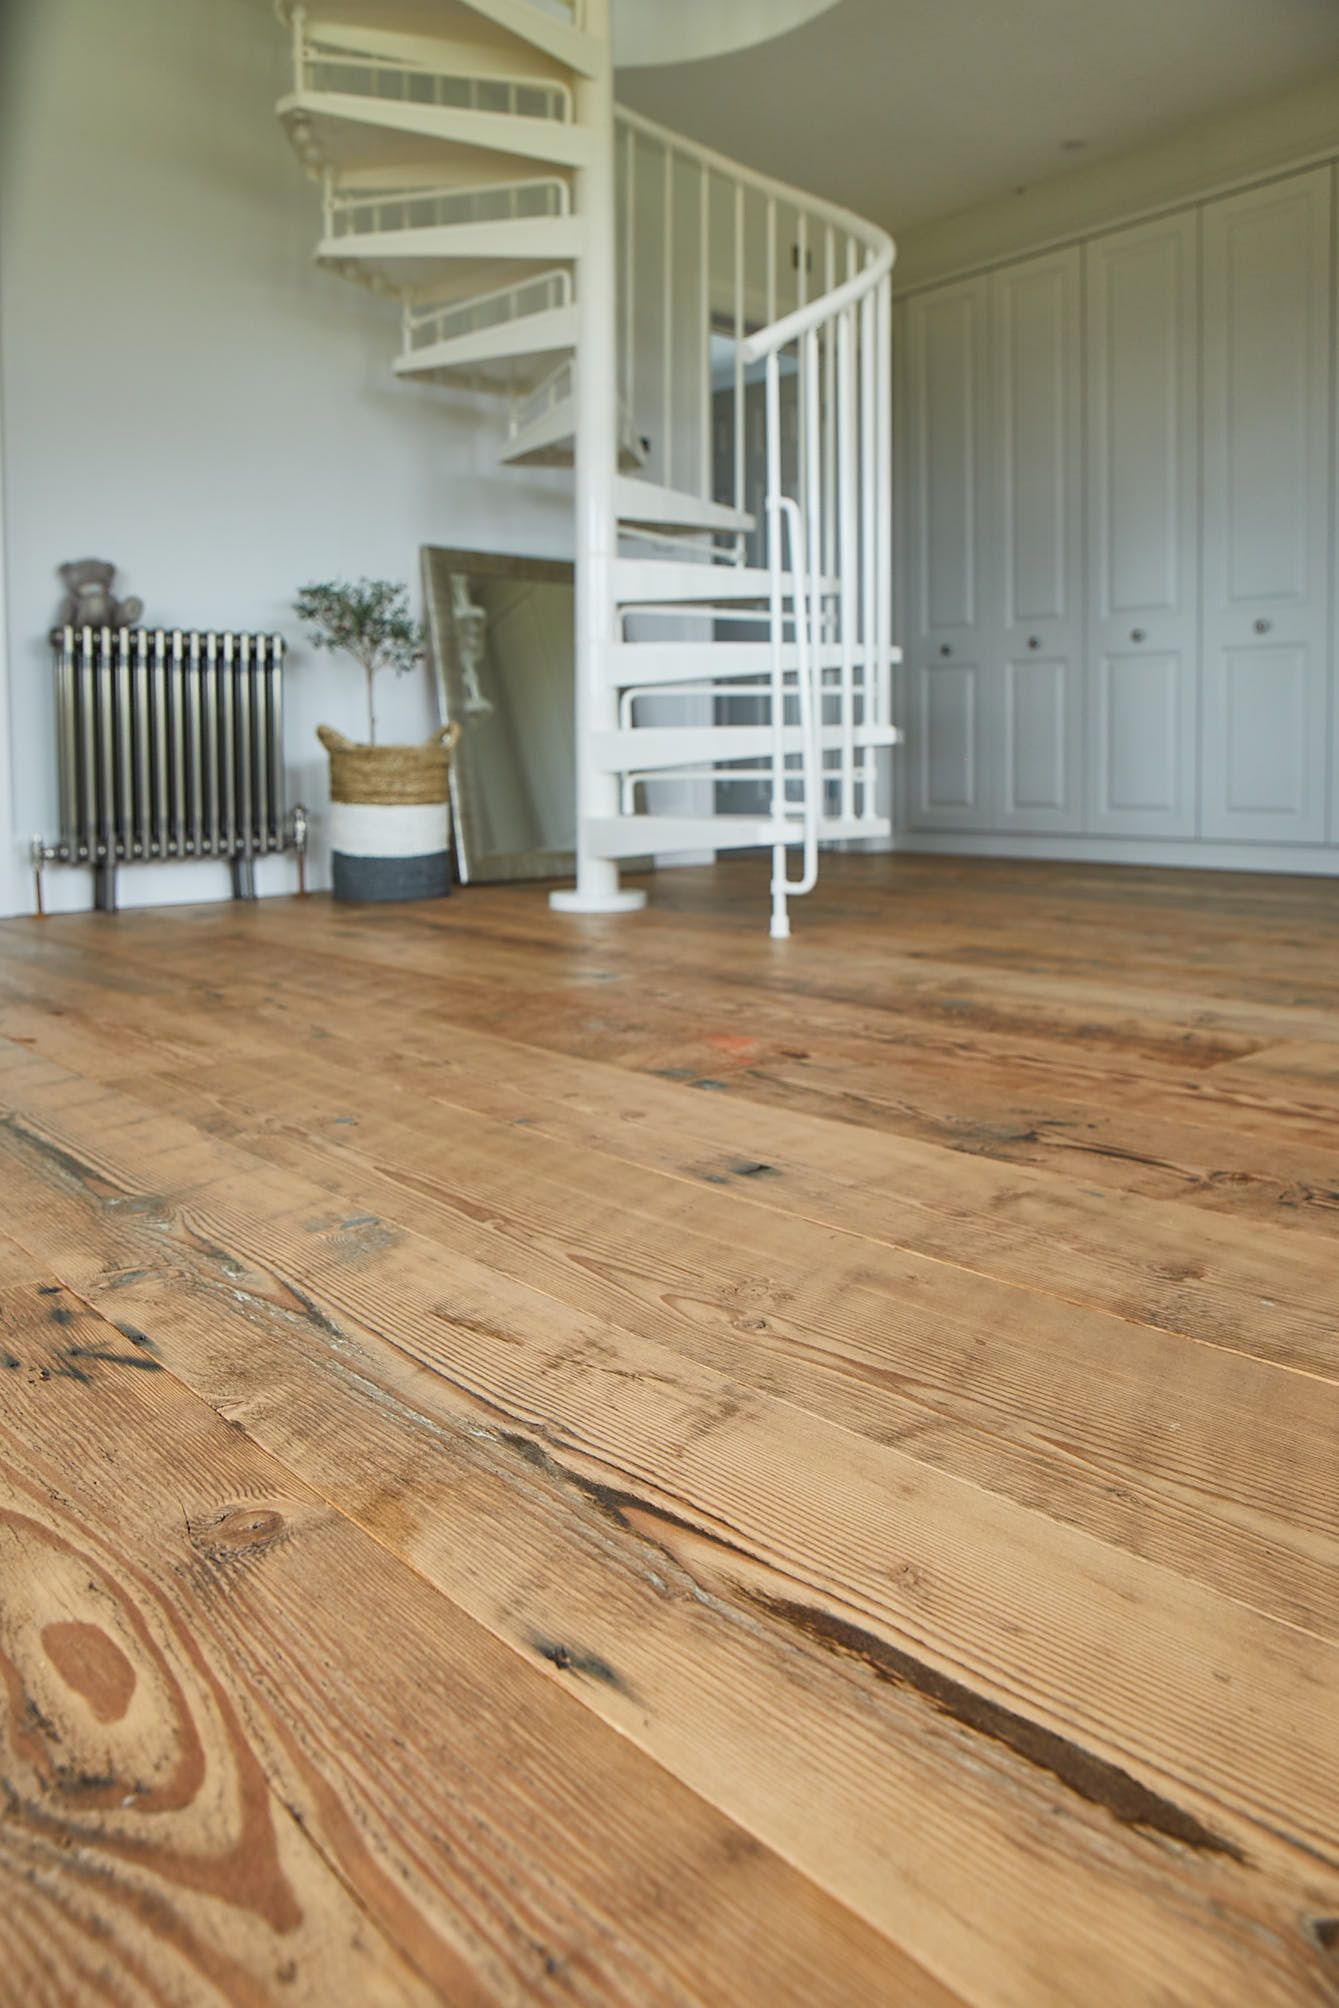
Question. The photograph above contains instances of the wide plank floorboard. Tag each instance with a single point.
(629, 1463)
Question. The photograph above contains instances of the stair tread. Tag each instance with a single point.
(518, 20)
(646, 581)
(548, 440)
(629, 663)
(510, 135)
(545, 239)
(644, 748)
(545, 333)
(648, 502)
(570, 44)
(622, 837)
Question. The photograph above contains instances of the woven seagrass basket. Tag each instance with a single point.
(390, 817)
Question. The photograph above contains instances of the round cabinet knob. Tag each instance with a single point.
(1138, 634)
(944, 648)
(1263, 626)
(1034, 641)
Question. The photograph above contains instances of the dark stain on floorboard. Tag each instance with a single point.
(1091, 1777)
(568, 1660)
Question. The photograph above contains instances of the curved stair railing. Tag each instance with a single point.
(709, 349)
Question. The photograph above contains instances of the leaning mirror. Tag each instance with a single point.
(501, 634)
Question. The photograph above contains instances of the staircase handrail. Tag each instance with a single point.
(827, 307)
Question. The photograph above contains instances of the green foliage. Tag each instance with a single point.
(370, 621)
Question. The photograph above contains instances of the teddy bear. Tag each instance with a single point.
(89, 600)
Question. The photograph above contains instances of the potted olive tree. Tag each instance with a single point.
(389, 815)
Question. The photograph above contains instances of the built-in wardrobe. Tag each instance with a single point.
(1117, 537)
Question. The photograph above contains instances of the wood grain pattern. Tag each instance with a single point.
(726, 1511)
(1238, 1492)
(198, 1733)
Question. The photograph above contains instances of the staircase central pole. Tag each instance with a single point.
(595, 389)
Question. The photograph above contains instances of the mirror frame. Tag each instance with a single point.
(474, 865)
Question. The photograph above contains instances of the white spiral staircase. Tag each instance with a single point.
(707, 347)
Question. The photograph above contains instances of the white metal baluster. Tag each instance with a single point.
(850, 604)
(869, 545)
(629, 269)
(812, 380)
(883, 460)
(829, 414)
(667, 348)
(299, 25)
(740, 442)
(812, 383)
(802, 454)
(848, 551)
(780, 926)
(809, 700)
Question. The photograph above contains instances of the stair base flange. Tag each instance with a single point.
(629, 899)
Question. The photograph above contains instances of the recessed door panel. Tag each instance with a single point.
(1267, 360)
(1137, 722)
(1035, 725)
(1037, 737)
(946, 343)
(1266, 265)
(946, 732)
(1142, 294)
(1265, 754)
(943, 371)
(1036, 343)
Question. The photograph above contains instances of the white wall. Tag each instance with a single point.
(184, 393)
(647, 31)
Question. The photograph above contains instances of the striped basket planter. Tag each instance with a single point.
(389, 816)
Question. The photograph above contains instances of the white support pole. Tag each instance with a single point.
(829, 410)
(299, 27)
(705, 485)
(741, 490)
(667, 324)
(780, 924)
(595, 387)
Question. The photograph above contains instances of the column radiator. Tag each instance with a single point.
(171, 746)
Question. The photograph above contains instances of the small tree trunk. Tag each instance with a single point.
(369, 672)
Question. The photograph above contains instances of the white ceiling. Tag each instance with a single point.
(907, 110)
(647, 31)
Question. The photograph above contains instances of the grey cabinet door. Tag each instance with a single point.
(1034, 694)
(1267, 539)
(946, 773)
(1141, 368)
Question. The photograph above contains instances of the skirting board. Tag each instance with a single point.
(1317, 860)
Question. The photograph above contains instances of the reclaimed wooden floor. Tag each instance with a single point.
(624, 1463)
